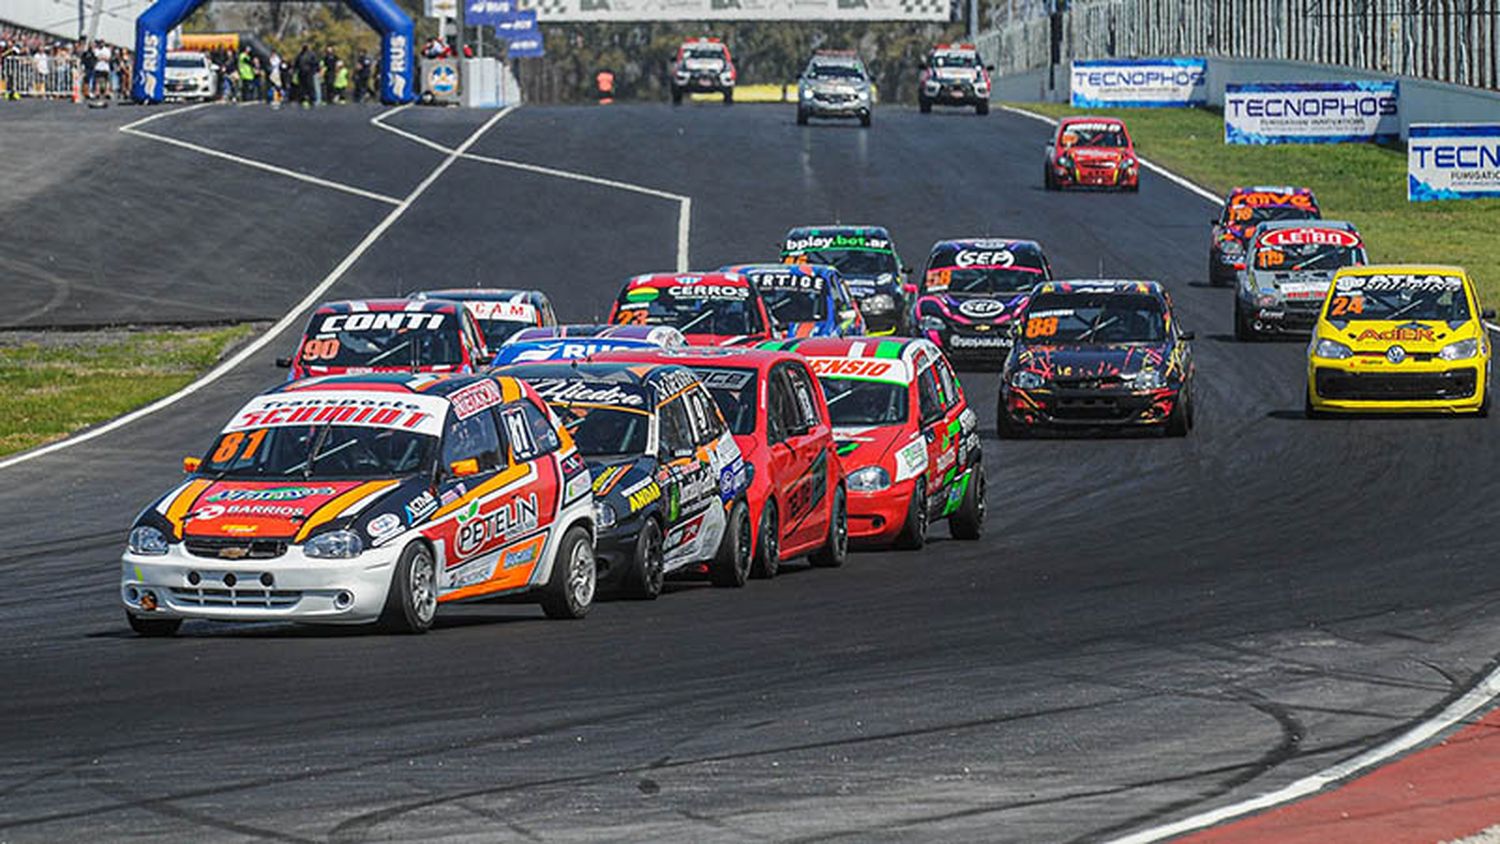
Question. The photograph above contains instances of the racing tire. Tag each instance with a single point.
(801, 117)
(731, 566)
(967, 522)
(982, 108)
(411, 600)
(1309, 411)
(1243, 331)
(648, 566)
(924, 106)
(729, 97)
(1006, 428)
(1484, 407)
(864, 120)
(767, 544)
(836, 550)
(913, 534)
(1133, 187)
(1049, 182)
(153, 628)
(676, 96)
(570, 590)
(1180, 420)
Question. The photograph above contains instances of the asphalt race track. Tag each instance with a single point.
(1150, 627)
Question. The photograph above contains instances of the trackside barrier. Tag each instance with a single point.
(25, 76)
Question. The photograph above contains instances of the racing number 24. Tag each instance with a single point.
(1346, 305)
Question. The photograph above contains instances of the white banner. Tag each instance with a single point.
(554, 11)
(1312, 113)
(1142, 83)
(1452, 161)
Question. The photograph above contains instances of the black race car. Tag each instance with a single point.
(1097, 354)
(669, 482)
(1244, 209)
(866, 258)
(970, 294)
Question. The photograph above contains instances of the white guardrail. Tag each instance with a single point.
(28, 77)
(1455, 41)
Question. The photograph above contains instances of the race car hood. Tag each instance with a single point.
(971, 310)
(1094, 361)
(1375, 337)
(271, 509)
(628, 484)
(1309, 285)
(1092, 156)
(703, 65)
(901, 451)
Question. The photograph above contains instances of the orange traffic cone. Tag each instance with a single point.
(77, 92)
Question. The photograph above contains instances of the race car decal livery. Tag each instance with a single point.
(422, 414)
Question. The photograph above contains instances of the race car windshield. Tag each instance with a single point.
(320, 451)
(196, 64)
(1077, 137)
(1305, 257)
(851, 262)
(1086, 318)
(735, 391)
(1436, 303)
(972, 281)
(497, 331)
(704, 53)
(1247, 215)
(697, 315)
(854, 403)
(835, 71)
(790, 306)
(955, 61)
(604, 431)
(395, 347)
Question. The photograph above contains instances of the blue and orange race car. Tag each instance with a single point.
(1244, 209)
(805, 300)
(970, 294)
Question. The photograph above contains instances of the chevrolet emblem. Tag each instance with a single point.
(234, 552)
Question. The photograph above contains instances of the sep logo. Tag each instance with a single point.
(994, 258)
(981, 308)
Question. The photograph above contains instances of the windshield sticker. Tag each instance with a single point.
(1275, 199)
(568, 391)
(1383, 282)
(474, 398)
(708, 291)
(818, 243)
(869, 369)
(773, 280)
(1100, 126)
(422, 414)
(726, 379)
(503, 311)
(382, 321)
(1308, 236)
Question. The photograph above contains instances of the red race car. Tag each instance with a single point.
(710, 309)
(387, 335)
(777, 415)
(1092, 152)
(906, 435)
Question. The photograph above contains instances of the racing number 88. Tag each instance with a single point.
(1041, 327)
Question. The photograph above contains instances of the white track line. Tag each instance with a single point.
(1473, 700)
(684, 203)
(312, 298)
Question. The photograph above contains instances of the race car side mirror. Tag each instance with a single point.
(1186, 335)
(909, 289)
(990, 68)
(464, 468)
(284, 363)
(1487, 313)
(191, 464)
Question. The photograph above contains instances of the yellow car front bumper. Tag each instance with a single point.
(1362, 385)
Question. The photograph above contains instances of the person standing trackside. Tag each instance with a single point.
(307, 75)
(330, 67)
(362, 78)
(605, 79)
(246, 76)
(340, 82)
(102, 56)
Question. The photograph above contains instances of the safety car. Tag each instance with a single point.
(867, 259)
(835, 83)
(908, 440)
(970, 293)
(669, 482)
(1291, 264)
(575, 342)
(1400, 338)
(387, 335)
(1097, 354)
(499, 312)
(805, 300)
(369, 498)
(954, 75)
(710, 309)
(702, 66)
(1244, 209)
(1091, 152)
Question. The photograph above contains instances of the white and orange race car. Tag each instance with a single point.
(369, 498)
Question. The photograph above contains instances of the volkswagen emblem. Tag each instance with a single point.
(1395, 354)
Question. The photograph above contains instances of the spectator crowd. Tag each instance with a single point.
(34, 64)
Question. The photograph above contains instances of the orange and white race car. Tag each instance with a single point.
(365, 498)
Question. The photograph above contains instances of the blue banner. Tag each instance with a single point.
(1144, 83)
(527, 45)
(1312, 113)
(1452, 161)
(487, 12)
(518, 23)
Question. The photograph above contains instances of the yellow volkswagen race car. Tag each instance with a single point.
(1399, 339)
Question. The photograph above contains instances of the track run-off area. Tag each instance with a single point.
(1150, 629)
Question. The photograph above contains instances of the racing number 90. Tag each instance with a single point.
(320, 349)
(1041, 327)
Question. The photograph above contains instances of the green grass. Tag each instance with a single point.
(1362, 183)
(54, 383)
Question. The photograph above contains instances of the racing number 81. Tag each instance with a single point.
(1041, 327)
(229, 446)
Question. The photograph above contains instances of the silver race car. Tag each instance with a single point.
(1288, 268)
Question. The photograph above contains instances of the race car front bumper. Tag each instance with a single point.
(966, 345)
(876, 518)
(1095, 177)
(834, 105)
(954, 94)
(1056, 407)
(614, 553)
(289, 587)
(1297, 316)
(1411, 387)
(703, 84)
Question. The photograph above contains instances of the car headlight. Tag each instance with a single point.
(1267, 301)
(334, 545)
(864, 93)
(932, 323)
(147, 540)
(1462, 350)
(1332, 350)
(604, 515)
(805, 92)
(1149, 379)
(1027, 380)
(869, 479)
(683, 76)
(879, 303)
(1065, 160)
(933, 87)
(1231, 247)
(1128, 164)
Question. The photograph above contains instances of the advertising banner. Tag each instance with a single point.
(1452, 161)
(516, 25)
(525, 45)
(610, 11)
(488, 12)
(440, 8)
(1312, 113)
(1143, 83)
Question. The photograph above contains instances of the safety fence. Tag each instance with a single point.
(1455, 41)
(27, 76)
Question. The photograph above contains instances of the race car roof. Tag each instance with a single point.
(910, 354)
(431, 384)
(1100, 285)
(349, 306)
(867, 231)
(1272, 225)
(1020, 248)
(744, 357)
(674, 279)
(661, 335)
(483, 294)
(1403, 269)
(1113, 122)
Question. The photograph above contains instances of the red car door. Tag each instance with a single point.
(781, 422)
(810, 442)
(934, 421)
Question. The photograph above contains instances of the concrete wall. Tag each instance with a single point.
(1422, 100)
(61, 19)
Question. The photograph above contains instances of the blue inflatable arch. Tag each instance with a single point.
(383, 16)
